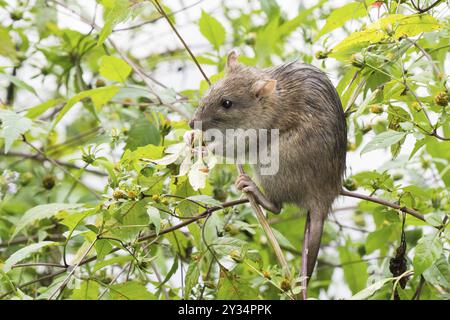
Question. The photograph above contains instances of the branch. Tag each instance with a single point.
(386, 203)
(40, 158)
(158, 18)
(161, 10)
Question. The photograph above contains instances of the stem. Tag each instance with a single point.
(266, 227)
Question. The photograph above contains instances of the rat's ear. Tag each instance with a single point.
(263, 88)
(232, 61)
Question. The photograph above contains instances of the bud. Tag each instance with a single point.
(441, 99)
(350, 184)
(156, 198)
(321, 55)
(100, 83)
(48, 182)
(118, 194)
(132, 195)
(357, 60)
(266, 274)
(416, 106)
(376, 108)
(351, 146)
(285, 285)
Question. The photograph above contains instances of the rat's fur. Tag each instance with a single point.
(306, 108)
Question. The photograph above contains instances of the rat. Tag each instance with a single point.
(301, 102)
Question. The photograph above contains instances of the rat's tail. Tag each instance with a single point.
(311, 245)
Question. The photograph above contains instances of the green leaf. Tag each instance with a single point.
(43, 211)
(103, 247)
(142, 133)
(383, 140)
(131, 290)
(439, 273)
(400, 25)
(191, 279)
(270, 7)
(20, 84)
(7, 48)
(370, 290)
(212, 30)
(155, 218)
(36, 111)
(88, 290)
(428, 250)
(355, 273)
(114, 69)
(116, 11)
(378, 239)
(205, 199)
(99, 97)
(115, 260)
(234, 287)
(13, 126)
(283, 240)
(25, 252)
(340, 16)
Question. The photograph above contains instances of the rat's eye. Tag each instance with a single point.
(227, 104)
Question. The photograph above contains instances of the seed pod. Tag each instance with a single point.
(350, 184)
(376, 108)
(48, 182)
(100, 83)
(441, 99)
(321, 55)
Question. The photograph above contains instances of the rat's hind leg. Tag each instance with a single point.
(246, 184)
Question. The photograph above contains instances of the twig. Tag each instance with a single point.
(42, 154)
(157, 18)
(66, 280)
(266, 227)
(412, 212)
(161, 10)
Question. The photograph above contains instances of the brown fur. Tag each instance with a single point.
(306, 108)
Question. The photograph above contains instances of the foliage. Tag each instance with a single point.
(96, 166)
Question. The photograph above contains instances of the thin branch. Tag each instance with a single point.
(161, 10)
(158, 18)
(40, 158)
(383, 202)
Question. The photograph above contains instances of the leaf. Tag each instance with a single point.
(224, 245)
(36, 111)
(116, 12)
(13, 126)
(103, 247)
(114, 69)
(383, 140)
(439, 273)
(142, 133)
(355, 272)
(7, 48)
(99, 97)
(378, 239)
(234, 287)
(400, 24)
(155, 218)
(205, 199)
(115, 260)
(20, 84)
(43, 211)
(171, 272)
(130, 290)
(340, 16)
(370, 290)
(283, 240)
(270, 7)
(25, 252)
(191, 279)
(212, 30)
(88, 290)
(428, 250)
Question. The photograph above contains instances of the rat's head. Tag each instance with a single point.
(239, 100)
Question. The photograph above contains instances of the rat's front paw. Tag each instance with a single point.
(245, 183)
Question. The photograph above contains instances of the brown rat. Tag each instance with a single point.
(300, 101)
